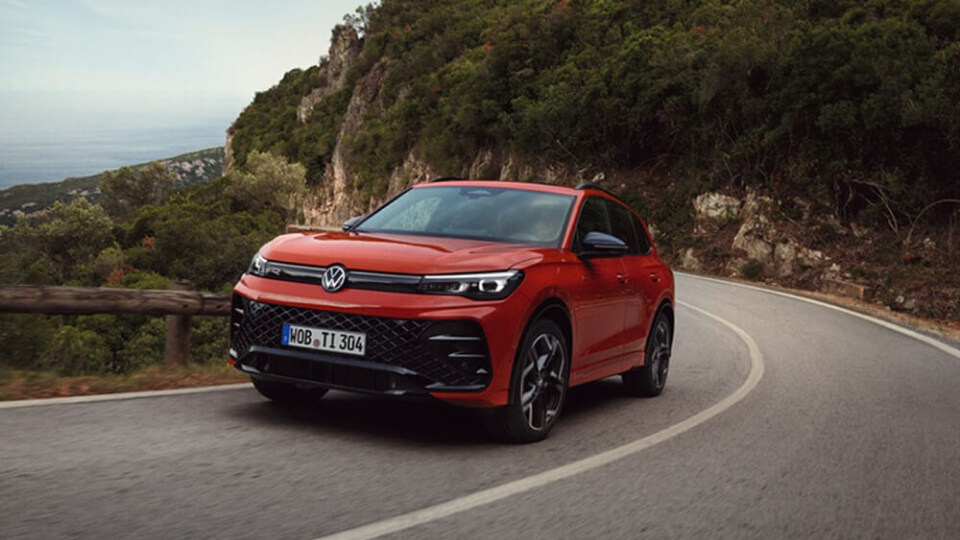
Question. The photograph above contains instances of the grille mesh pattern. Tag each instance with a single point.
(396, 342)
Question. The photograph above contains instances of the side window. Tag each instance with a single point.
(645, 246)
(593, 217)
(622, 221)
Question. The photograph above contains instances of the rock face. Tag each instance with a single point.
(690, 261)
(757, 236)
(717, 206)
(345, 46)
(344, 49)
(228, 153)
(333, 202)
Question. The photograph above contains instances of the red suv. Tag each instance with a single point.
(485, 294)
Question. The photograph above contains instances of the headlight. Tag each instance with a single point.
(258, 265)
(485, 286)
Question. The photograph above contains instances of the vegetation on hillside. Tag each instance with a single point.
(856, 104)
(200, 167)
(145, 235)
(270, 124)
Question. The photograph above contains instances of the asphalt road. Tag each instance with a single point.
(853, 431)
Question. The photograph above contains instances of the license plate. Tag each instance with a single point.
(322, 339)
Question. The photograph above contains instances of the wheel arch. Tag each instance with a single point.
(557, 311)
(666, 307)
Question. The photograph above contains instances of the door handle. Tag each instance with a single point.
(622, 279)
(655, 277)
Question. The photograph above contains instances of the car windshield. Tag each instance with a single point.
(479, 213)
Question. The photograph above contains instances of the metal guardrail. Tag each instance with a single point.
(178, 304)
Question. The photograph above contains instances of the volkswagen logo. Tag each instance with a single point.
(334, 278)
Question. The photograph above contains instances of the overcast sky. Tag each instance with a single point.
(68, 64)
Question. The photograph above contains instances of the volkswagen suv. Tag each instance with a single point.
(484, 294)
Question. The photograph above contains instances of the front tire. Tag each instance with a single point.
(287, 393)
(538, 387)
(649, 379)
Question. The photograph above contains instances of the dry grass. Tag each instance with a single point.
(20, 384)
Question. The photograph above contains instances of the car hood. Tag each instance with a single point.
(401, 254)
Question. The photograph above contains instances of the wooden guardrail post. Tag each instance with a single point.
(179, 304)
(176, 349)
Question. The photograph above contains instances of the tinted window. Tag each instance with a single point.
(622, 222)
(645, 246)
(481, 213)
(593, 217)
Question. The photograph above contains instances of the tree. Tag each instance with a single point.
(127, 189)
(56, 246)
(267, 182)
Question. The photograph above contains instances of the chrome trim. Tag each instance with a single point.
(447, 337)
(465, 277)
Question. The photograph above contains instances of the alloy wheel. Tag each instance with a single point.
(660, 357)
(542, 384)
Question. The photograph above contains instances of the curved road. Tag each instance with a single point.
(853, 431)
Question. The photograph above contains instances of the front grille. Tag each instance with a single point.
(458, 358)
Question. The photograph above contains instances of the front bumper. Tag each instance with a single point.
(454, 349)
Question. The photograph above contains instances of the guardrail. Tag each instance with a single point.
(178, 304)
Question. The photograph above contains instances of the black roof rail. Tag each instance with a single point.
(588, 185)
(446, 179)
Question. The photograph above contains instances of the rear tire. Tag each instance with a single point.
(287, 393)
(649, 379)
(538, 387)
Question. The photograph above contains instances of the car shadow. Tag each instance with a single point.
(416, 422)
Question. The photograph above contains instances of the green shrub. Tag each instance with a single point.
(24, 338)
(208, 339)
(72, 351)
(145, 347)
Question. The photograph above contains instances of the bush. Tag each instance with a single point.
(208, 339)
(145, 348)
(24, 338)
(72, 351)
(267, 182)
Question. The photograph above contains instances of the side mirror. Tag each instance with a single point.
(348, 224)
(598, 244)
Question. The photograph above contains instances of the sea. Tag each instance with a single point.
(51, 156)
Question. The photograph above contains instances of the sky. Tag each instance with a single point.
(85, 65)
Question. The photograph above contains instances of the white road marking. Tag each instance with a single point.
(487, 496)
(952, 351)
(120, 396)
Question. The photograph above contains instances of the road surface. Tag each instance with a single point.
(781, 419)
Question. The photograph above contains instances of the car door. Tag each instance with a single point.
(637, 305)
(652, 274)
(601, 299)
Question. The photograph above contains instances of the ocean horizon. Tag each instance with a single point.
(53, 156)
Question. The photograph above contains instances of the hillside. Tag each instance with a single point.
(826, 131)
(200, 167)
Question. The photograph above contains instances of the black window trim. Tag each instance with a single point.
(642, 233)
(574, 247)
(637, 223)
(633, 249)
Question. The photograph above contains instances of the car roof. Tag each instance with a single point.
(502, 184)
(588, 189)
